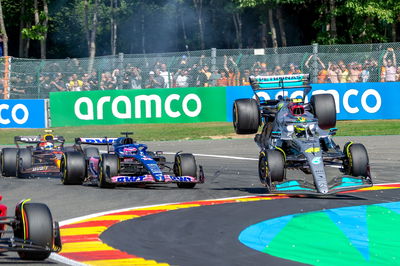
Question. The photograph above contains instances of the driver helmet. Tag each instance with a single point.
(47, 145)
(296, 109)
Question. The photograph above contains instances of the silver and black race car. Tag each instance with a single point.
(298, 135)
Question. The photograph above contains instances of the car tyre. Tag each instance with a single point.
(108, 166)
(185, 165)
(357, 161)
(24, 161)
(246, 116)
(9, 161)
(271, 167)
(73, 168)
(324, 108)
(35, 224)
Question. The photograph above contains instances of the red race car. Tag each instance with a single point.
(31, 231)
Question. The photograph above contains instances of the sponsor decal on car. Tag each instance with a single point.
(98, 140)
(154, 168)
(316, 160)
(39, 168)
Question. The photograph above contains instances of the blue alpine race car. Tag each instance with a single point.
(126, 162)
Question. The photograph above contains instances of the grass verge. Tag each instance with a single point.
(214, 130)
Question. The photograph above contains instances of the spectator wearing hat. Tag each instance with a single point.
(181, 78)
(155, 80)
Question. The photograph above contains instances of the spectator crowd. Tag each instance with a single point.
(198, 74)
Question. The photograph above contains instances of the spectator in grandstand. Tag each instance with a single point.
(93, 81)
(223, 81)
(57, 84)
(44, 86)
(155, 80)
(245, 77)
(166, 75)
(116, 78)
(86, 85)
(108, 82)
(256, 72)
(181, 78)
(343, 72)
(133, 78)
(355, 70)
(214, 77)
(390, 65)
(193, 75)
(74, 83)
(373, 71)
(263, 69)
(204, 76)
(278, 71)
(322, 76)
(293, 69)
(333, 73)
(365, 73)
(232, 70)
(398, 74)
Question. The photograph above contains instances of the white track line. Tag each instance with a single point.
(219, 156)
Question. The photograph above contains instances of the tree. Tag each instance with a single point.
(3, 32)
(198, 5)
(39, 30)
(91, 13)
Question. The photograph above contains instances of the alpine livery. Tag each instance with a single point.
(126, 162)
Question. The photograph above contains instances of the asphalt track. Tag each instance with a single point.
(226, 177)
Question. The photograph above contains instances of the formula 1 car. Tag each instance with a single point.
(31, 231)
(126, 162)
(298, 135)
(41, 159)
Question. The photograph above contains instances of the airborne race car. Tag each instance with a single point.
(41, 159)
(298, 135)
(31, 232)
(126, 162)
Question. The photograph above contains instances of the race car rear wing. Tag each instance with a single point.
(279, 82)
(36, 139)
(95, 141)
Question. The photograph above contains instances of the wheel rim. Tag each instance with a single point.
(264, 172)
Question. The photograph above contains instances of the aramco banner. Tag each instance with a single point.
(354, 101)
(177, 105)
(23, 114)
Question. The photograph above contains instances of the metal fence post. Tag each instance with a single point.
(213, 59)
(315, 63)
(121, 70)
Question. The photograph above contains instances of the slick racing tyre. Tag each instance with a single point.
(91, 152)
(24, 161)
(9, 161)
(324, 108)
(357, 161)
(185, 165)
(271, 167)
(108, 167)
(35, 224)
(73, 168)
(246, 116)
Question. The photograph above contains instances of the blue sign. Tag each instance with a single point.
(354, 101)
(22, 114)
